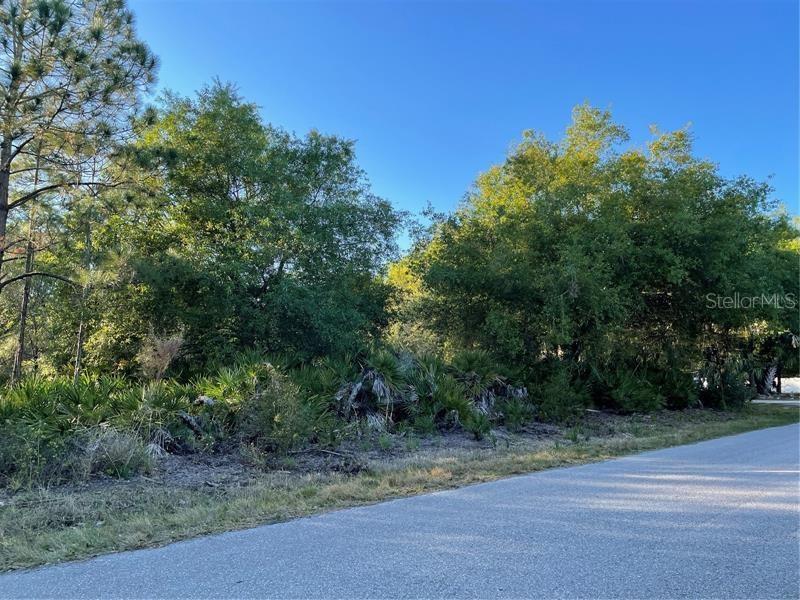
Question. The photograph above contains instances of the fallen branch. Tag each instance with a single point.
(322, 450)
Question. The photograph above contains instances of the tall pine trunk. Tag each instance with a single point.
(87, 257)
(19, 355)
(5, 182)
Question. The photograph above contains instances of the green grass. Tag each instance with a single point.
(48, 526)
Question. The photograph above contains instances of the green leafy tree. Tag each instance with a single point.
(601, 257)
(248, 237)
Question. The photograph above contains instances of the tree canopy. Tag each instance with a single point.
(607, 260)
(165, 239)
(237, 234)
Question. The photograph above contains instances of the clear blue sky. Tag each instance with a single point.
(435, 92)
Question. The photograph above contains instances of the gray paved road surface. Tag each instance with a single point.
(717, 519)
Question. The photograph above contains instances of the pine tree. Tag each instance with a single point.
(71, 73)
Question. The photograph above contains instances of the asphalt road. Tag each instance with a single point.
(718, 519)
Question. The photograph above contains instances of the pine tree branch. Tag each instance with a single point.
(13, 258)
(56, 186)
(11, 280)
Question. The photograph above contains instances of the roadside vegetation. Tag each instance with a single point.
(186, 283)
(190, 495)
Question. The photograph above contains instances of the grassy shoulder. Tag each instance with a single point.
(46, 526)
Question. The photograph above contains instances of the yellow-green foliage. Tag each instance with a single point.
(592, 268)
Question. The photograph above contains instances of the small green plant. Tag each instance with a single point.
(479, 362)
(385, 442)
(425, 424)
(254, 456)
(636, 430)
(478, 424)
(450, 395)
(574, 434)
(516, 413)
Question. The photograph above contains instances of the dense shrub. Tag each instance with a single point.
(58, 429)
(610, 260)
(635, 394)
(578, 269)
(30, 452)
(679, 388)
(725, 384)
(54, 430)
(273, 415)
(561, 398)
